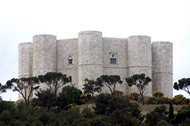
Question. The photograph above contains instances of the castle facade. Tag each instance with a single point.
(91, 55)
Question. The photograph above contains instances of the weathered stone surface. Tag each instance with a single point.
(91, 53)
(25, 59)
(44, 54)
(139, 59)
(89, 56)
(162, 67)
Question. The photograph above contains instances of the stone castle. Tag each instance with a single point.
(91, 55)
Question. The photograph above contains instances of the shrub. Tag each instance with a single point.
(158, 114)
(107, 103)
(157, 94)
(179, 100)
(6, 117)
(158, 98)
(118, 93)
(135, 103)
(69, 95)
(163, 123)
(152, 100)
(135, 96)
(164, 100)
(182, 115)
(87, 113)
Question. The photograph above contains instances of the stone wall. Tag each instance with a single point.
(66, 48)
(139, 59)
(118, 47)
(162, 67)
(25, 59)
(44, 54)
(91, 54)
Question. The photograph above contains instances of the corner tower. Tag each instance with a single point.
(89, 56)
(162, 67)
(44, 56)
(25, 60)
(139, 59)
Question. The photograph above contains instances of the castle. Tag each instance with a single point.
(91, 55)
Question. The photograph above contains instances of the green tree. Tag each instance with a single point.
(45, 98)
(6, 117)
(3, 88)
(163, 123)
(54, 80)
(121, 118)
(107, 103)
(157, 94)
(171, 111)
(69, 95)
(6, 105)
(109, 81)
(158, 114)
(91, 86)
(183, 84)
(179, 100)
(135, 96)
(24, 86)
(182, 115)
(140, 81)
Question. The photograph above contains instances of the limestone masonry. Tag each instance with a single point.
(91, 55)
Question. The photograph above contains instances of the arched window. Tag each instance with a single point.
(113, 59)
(70, 79)
(70, 59)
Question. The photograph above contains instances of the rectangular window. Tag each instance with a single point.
(113, 60)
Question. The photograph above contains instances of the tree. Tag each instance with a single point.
(69, 95)
(45, 98)
(158, 114)
(105, 104)
(91, 86)
(109, 81)
(179, 100)
(140, 81)
(3, 88)
(54, 80)
(183, 84)
(171, 111)
(24, 86)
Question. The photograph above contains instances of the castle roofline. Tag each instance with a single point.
(25, 43)
(162, 42)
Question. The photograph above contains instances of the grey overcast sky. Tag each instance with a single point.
(163, 20)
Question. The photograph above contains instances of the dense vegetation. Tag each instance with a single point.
(106, 110)
(72, 107)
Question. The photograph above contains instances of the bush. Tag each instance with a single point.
(157, 94)
(69, 95)
(163, 123)
(180, 100)
(135, 96)
(152, 100)
(118, 93)
(107, 103)
(182, 115)
(87, 113)
(158, 114)
(6, 117)
(158, 98)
